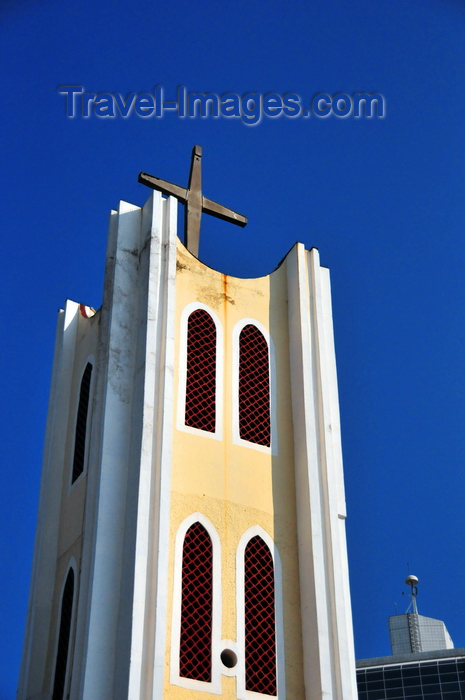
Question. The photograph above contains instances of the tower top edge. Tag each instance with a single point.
(124, 206)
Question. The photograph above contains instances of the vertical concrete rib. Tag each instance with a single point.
(38, 623)
(156, 358)
(107, 561)
(310, 528)
(341, 604)
(93, 472)
(326, 625)
(162, 455)
(343, 661)
(147, 359)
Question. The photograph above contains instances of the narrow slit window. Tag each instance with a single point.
(81, 424)
(254, 387)
(195, 651)
(201, 372)
(63, 638)
(260, 628)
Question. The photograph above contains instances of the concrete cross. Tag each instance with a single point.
(195, 202)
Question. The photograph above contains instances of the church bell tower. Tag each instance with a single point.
(191, 535)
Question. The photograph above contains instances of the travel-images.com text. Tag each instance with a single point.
(249, 107)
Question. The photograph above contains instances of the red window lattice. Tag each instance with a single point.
(195, 653)
(201, 372)
(254, 387)
(260, 635)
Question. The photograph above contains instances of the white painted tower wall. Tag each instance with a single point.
(120, 637)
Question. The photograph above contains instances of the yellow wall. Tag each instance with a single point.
(238, 487)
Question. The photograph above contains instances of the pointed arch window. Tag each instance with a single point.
(200, 408)
(64, 637)
(81, 424)
(260, 625)
(195, 649)
(254, 387)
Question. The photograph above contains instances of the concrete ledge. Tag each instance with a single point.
(407, 658)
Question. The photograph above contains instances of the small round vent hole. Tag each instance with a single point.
(228, 658)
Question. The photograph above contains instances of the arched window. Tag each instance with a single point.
(254, 387)
(63, 637)
(81, 424)
(195, 649)
(201, 372)
(260, 626)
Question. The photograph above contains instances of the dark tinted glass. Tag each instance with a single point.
(63, 638)
(81, 424)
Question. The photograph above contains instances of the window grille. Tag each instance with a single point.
(260, 635)
(201, 372)
(195, 652)
(63, 638)
(81, 424)
(254, 387)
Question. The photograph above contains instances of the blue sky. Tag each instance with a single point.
(382, 199)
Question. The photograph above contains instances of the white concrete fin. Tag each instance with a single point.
(333, 395)
(71, 311)
(165, 405)
(155, 372)
(93, 479)
(318, 466)
(38, 624)
(117, 374)
(343, 658)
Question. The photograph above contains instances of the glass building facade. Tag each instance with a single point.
(423, 679)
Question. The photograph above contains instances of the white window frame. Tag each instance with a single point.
(237, 440)
(182, 378)
(242, 693)
(214, 686)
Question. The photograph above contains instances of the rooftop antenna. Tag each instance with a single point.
(412, 582)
